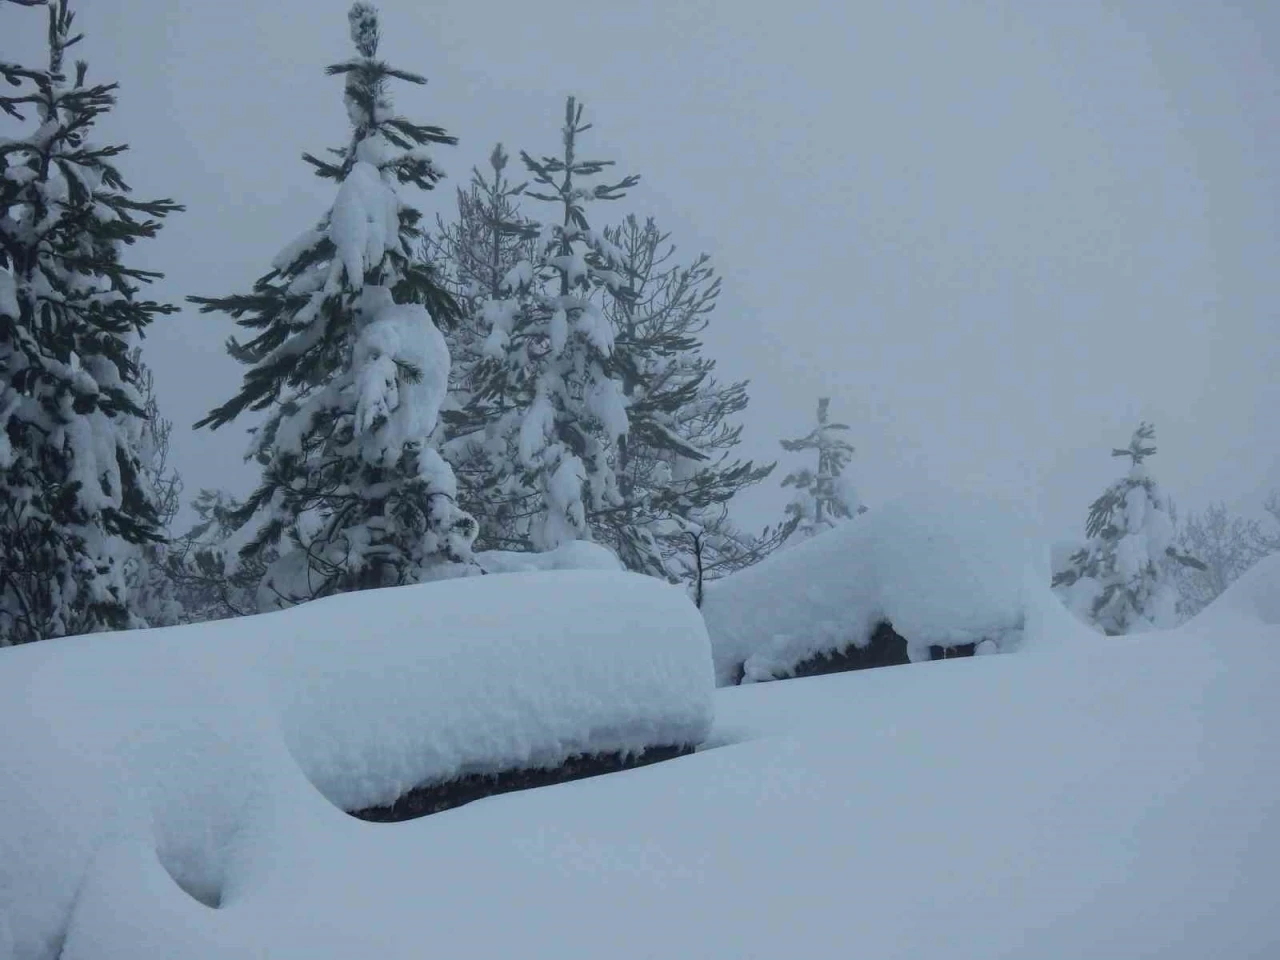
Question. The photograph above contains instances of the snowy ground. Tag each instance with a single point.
(1111, 799)
(205, 752)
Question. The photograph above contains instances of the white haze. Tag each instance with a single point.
(997, 235)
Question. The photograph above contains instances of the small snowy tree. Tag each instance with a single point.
(347, 359)
(675, 472)
(550, 355)
(1120, 581)
(822, 496)
(75, 505)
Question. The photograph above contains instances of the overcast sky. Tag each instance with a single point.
(997, 234)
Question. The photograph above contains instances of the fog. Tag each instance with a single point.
(997, 235)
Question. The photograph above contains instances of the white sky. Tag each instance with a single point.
(997, 234)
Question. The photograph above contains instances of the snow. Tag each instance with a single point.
(565, 517)
(1109, 799)
(944, 567)
(401, 371)
(197, 751)
(591, 322)
(1135, 508)
(535, 427)
(363, 21)
(606, 402)
(558, 332)
(497, 316)
(570, 555)
(365, 221)
(300, 245)
(521, 275)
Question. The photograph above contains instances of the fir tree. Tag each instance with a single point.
(550, 355)
(1120, 580)
(822, 497)
(74, 503)
(346, 357)
(476, 253)
(675, 473)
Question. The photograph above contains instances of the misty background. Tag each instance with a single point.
(996, 234)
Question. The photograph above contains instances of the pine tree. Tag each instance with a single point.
(1120, 580)
(476, 253)
(550, 355)
(74, 501)
(822, 497)
(675, 474)
(346, 357)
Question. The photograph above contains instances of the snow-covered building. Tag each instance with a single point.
(930, 574)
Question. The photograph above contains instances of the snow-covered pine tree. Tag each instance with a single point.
(675, 472)
(822, 497)
(551, 353)
(476, 252)
(1120, 580)
(347, 359)
(74, 502)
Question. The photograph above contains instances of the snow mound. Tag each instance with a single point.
(943, 567)
(188, 749)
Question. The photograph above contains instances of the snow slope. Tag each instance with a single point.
(188, 749)
(1111, 798)
(943, 567)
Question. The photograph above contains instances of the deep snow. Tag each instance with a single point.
(191, 747)
(1097, 798)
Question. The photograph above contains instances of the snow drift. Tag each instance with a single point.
(1109, 799)
(181, 749)
(942, 567)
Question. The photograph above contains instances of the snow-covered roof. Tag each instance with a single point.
(944, 567)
